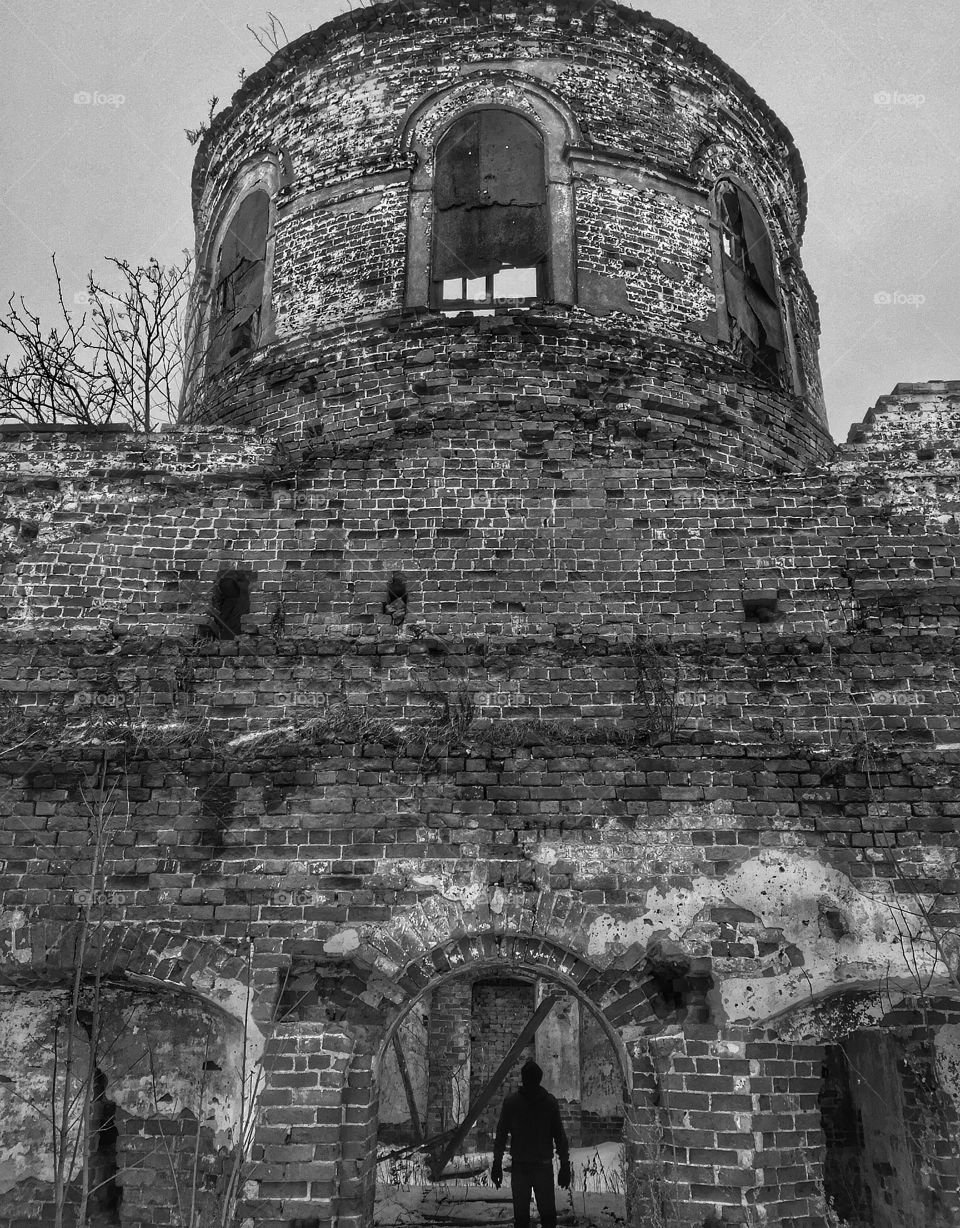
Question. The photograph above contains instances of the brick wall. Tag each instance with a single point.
(449, 1076)
(335, 102)
(499, 1010)
(669, 718)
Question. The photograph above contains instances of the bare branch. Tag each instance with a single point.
(122, 358)
(272, 36)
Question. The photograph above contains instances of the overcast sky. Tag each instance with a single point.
(869, 88)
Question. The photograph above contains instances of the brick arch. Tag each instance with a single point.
(541, 933)
(840, 1010)
(476, 954)
(421, 130)
(436, 921)
(621, 997)
(41, 953)
(618, 989)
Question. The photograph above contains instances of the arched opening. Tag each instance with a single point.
(236, 305)
(123, 1101)
(508, 125)
(750, 283)
(887, 1102)
(889, 1128)
(490, 224)
(445, 1067)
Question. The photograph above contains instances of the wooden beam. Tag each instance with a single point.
(490, 1089)
(408, 1088)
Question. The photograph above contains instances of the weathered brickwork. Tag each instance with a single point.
(339, 109)
(577, 655)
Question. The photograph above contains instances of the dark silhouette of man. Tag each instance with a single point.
(531, 1117)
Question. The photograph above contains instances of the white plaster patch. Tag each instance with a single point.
(26, 1062)
(342, 943)
(11, 922)
(947, 1047)
(787, 892)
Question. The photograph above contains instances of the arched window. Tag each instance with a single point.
(750, 284)
(237, 297)
(490, 218)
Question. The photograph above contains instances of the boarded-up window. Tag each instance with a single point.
(749, 283)
(490, 231)
(238, 289)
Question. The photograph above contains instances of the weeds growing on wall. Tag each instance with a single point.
(666, 689)
(648, 1178)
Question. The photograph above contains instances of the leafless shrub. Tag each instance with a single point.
(118, 356)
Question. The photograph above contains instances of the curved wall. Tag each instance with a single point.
(640, 122)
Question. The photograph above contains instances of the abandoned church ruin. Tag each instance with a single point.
(500, 656)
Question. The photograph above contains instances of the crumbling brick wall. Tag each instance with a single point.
(307, 790)
(575, 651)
(332, 107)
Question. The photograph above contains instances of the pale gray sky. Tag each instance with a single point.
(869, 88)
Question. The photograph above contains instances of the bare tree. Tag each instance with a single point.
(119, 358)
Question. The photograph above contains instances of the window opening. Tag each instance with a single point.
(491, 232)
(749, 283)
(238, 292)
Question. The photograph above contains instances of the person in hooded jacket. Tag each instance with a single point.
(531, 1117)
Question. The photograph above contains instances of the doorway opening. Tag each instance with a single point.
(444, 1074)
(884, 1132)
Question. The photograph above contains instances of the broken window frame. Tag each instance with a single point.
(490, 297)
(759, 287)
(559, 130)
(235, 330)
(265, 172)
(490, 300)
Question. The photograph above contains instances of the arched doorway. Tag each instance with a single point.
(888, 1104)
(444, 1068)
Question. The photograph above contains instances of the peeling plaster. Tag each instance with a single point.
(161, 1056)
(786, 892)
(26, 1048)
(947, 1049)
(11, 923)
(156, 1064)
(815, 930)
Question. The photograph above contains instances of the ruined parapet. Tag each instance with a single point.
(915, 422)
(365, 265)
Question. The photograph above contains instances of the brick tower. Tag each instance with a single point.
(500, 633)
